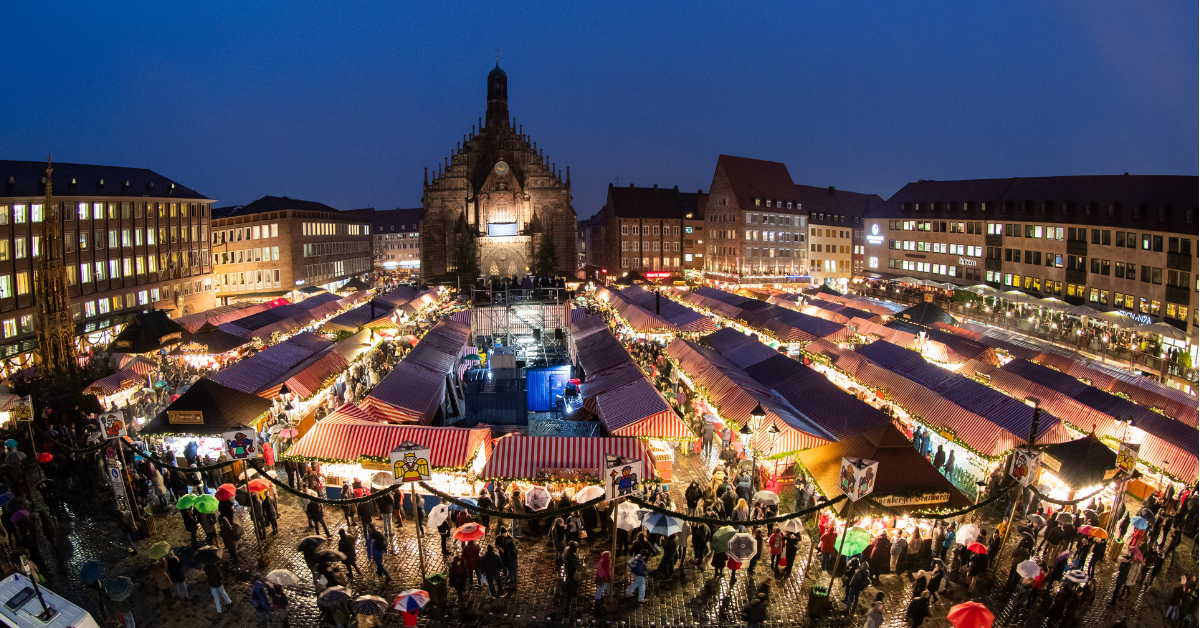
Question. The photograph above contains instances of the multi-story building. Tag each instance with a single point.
(1116, 242)
(762, 228)
(643, 229)
(278, 245)
(132, 240)
(397, 241)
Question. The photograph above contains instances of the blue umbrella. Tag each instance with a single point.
(5, 498)
(10, 443)
(469, 500)
(658, 523)
(91, 572)
(1139, 523)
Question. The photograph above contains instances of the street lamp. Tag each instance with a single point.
(773, 434)
(744, 435)
(757, 415)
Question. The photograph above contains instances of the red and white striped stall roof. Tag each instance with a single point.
(449, 447)
(520, 457)
(636, 409)
(140, 365)
(308, 382)
(125, 378)
(409, 394)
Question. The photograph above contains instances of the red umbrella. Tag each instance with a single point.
(258, 485)
(231, 488)
(224, 494)
(978, 548)
(44, 457)
(469, 532)
(970, 615)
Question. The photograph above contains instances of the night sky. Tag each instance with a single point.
(346, 102)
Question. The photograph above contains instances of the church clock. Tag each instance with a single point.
(501, 168)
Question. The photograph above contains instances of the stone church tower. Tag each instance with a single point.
(499, 188)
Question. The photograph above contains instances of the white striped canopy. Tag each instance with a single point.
(520, 457)
(350, 440)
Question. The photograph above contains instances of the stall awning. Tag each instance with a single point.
(906, 481)
(125, 378)
(1080, 463)
(521, 457)
(209, 340)
(409, 394)
(147, 332)
(636, 409)
(265, 370)
(206, 409)
(450, 447)
(311, 380)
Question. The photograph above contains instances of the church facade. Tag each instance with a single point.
(500, 189)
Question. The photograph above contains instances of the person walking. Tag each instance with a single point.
(316, 517)
(230, 536)
(178, 576)
(858, 582)
(348, 545)
(458, 576)
(508, 550)
(918, 609)
(347, 508)
(603, 574)
(518, 508)
(216, 584)
(386, 504)
(637, 570)
(790, 544)
(470, 556)
(261, 601)
(1124, 569)
(366, 512)
(491, 564)
(875, 614)
(376, 544)
(270, 510)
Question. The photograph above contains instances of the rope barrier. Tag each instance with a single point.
(1069, 502)
(74, 450)
(500, 514)
(734, 522)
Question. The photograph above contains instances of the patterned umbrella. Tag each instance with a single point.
(470, 532)
(742, 547)
(370, 605)
(792, 525)
(720, 538)
(411, 600)
(1076, 576)
(970, 615)
(333, 596)
(657, 523)
(537, 498)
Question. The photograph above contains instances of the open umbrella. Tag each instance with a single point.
(10, 443)
(720, 538)
(537, 498)
(224, 494)
(1038, 519)
(119, 588)
(437, 515)
(966, 534)
(1028, 569)
(382, 480)
(970, 615)
(1065, 554)
(1098, 533)
(91, 572)
(1065, 517)
(769, 498)
(333, 596)
(45, 457)
(853, 541)
(312, 542)
(209, 555)
(258, 485)
(206, 504)
(626, 516)
(185, 502)
(158, 550)
(792, 525)
(1136, 554)
(411, 600)
(5, 498)
(588, 493)
(1139, 523)
(469, 532)
(1085, 529)
(741, 547)
(20, 515)
(283, 577)
(370, 605)
(1076, 576)
(977, 548)
(328, 556)
(657, 523)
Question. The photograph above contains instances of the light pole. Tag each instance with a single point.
(773, 434)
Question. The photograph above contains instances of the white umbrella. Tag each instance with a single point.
(967, 534)
(766, 497)
(537, 498)
(1028, 569)
(792, 525)
(282, 576)
(588, 493)
(437, 515)
(742, 547)
(1165, 329)
(626, 516)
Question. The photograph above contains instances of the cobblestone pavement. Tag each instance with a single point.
(539, 600)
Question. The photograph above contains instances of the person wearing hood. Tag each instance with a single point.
(603, 574)
(348, 545)
(939, 458)
(637, 569)
(230, 536)
(458, 577)
(854, 588)
(693, 494)
(880, 556)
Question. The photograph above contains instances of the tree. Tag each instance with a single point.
(466, 261)
(545, 263)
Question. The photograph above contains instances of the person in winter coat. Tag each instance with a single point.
(603, 574)
(913, 551)
(216, 583)
(347, 509)
(919, 584)
(386, 504)
(444, 529)
(491, 564)
(790, 545)
(230, 536)
(177, 575)
(874, 615)
(208, 523)
(458, 577)
(189, 523)
(485, 501)
(637, 570)
(828, 548)
(348, 545)
(899, 549)
(558, 536)
(939, 458)
(570, 566)
(162, 578)
(693, 494)
(366, 512)
(918, 609)
(854, 588)
(775, 544)
(979, 565)
(470, 556)
(316, 517)
(935, 582)
(666, 567)
(755, 612)
(700, 537)
(508, 551)
(880, 555)
(376, 545)
(270, 510)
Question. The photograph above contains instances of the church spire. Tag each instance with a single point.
(55, 322)
(497, 97)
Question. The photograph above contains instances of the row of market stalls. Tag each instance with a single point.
(286, 319)
(427, 384)
(646, 312)
(781, 324)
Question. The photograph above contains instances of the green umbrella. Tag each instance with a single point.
(185, 502)
(158, 550)
(720, 538)
(853, 541)
(206, 504)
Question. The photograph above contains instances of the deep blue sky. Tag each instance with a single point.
(346, 102)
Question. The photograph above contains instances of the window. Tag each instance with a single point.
(624, 229)
(23, 282)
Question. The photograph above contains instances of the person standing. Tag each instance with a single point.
(828, 548)
(316, 517)
(162, 579)
(261, 602)
(491, 564)
(918, 609)
(216, 584)
(178, 576)
(603, 574)
(458, 576)
(571, 565)
(693, 494)
(230, 536)
(518, 508)
(858, 582)
(386, 503)
(189, 523)
(899, 549)
(508, 550)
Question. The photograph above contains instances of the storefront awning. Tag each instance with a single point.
(636, 409)
(522, 457)
(450, 447)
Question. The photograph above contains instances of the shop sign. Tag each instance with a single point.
(967, 262)
(410, 462)
(893, 501)
(23, 410)
(118, 485)
(113, 424)
(374, 465)
(185, 417)
(175, 335)
(1127, 458)
(566, 474)
(875, 238)
(241, 443)
(857, 477)
(1025, 465)
(1051, 463)
(622, 477)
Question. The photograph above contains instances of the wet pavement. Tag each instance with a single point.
(688, 599)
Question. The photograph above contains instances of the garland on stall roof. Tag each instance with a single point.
(944, 515)
(1069, 502)
(733, 522)
(74, 450)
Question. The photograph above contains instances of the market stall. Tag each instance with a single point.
(225, 313)
(263, 373)
(209, 347)
(427, 381)
(146, 333)
(575, 459)
(1077, 467)
(203, 414)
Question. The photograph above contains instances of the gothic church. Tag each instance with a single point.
(499, 188)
